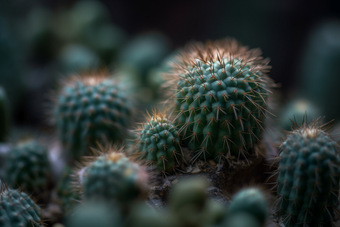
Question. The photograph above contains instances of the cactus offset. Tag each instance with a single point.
(308, 176)
(113, 177)
(17, 209)
(27, 166)
(91, 108)
(221, 98)
(159, 143)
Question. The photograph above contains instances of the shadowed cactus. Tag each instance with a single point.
(221, 98)
(4, 116)
(91, 108)
(308, 176)
(159, 143)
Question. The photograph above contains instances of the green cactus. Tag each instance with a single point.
(27, 166)
(241, 220)
(159, 143)
(250, 201)
(92, 214)
(113, 177)
(91, 109)
(4, 116)
(68, 197)
(189, 204)
(221, 98)
(17, 209)
(308, 177)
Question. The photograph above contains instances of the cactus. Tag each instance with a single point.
(92, 214)
(91, 108)
(221, 98)
(189, 204)
(113, 177)
(249, 201)
(17, 209)
(4, 116)
(68, 197)
(241, 220)
(308, 176)
(159, 144)
(27, 166)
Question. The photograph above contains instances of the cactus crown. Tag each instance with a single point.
(221, 92)
(308, 175)
(159, 143)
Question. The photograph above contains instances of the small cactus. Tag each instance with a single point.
(27, 166)
(159, 143)
(113, 177)
(250, 201)
(17, 209)
(89, 109)
(4, 116)
(308, 176)
(221, 98)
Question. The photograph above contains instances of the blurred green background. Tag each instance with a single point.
(42, 41)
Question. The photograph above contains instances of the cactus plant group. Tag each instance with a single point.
(221, 98)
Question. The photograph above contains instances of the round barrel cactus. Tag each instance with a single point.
(221, 98)
(308, 177)
(17, 209)
(159, 143)
(27, 166)
(91, 109)
(113, 177)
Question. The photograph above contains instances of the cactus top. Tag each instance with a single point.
(221, 97)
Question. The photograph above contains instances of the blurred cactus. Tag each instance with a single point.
(308, 176)
(17, 209)
(319, 69)
(112, 177)
(4, 116)
(92, 214)
(221, 98)
(159, 143)
(250, 201)
(91, 108)
(68, 197)
(241, 220)
(27, 166)
(189, 204)
(295, 110)
(77, 58)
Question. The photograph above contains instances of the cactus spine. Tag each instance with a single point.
(308, 176)
(221, 98)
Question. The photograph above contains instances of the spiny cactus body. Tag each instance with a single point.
(189, 204)
(221, 98)
(4, 116)
(17, 209)
(159, 143)
(308, 177)
(90, 109)
(250, 201)
(113, 177)
(27, 166)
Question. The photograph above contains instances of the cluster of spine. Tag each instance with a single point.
(17, 209)
(221, 98)
(27, 166)
(159, 143)
(90, 109)
(308, 177)
(112, 177)
(4, 116)
(248, 208)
